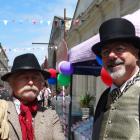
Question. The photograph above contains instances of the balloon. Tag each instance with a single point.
(106, 78)
(66, 68)
(60, 65)
(52, 72)
(63, 80)
(99, 60)
(52, 81)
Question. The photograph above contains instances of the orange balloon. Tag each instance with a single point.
(106, 78)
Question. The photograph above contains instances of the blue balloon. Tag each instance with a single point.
(99, 60)
(52, 81)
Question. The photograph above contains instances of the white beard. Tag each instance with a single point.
(119, 73)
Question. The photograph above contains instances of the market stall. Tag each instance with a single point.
(83, 59)
(84, 62)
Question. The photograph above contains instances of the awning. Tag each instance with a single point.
(89, 67)
(82, 52)
(134, 18)
(83, 59)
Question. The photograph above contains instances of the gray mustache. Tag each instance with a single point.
(29, 88)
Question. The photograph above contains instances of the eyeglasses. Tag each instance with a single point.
(117, 50)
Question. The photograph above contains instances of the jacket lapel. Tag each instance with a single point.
(13, 119)
(100, 109)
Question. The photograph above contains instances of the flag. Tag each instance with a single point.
(34, 21)
(5, 22)
(49, 22)
(41, 21)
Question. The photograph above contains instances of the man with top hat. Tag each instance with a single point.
(27, 120)
(117, 113)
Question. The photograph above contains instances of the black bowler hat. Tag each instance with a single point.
(116, 29)
(25, 62)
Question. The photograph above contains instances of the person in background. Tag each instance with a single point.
(40, 97)
(47, 94)
(44, 96)
(117, 113)
(52, 99)
(27, 119)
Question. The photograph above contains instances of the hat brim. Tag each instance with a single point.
(45, 73)
(96, 48)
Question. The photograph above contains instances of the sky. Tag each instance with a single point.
(23, 22)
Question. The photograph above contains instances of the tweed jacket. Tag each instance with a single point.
(119, 120)
(46, 125)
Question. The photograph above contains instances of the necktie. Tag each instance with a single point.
(115, 94)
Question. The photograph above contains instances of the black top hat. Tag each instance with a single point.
(116, 29)
(25, 62)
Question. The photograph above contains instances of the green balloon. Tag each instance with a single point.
(63, 80)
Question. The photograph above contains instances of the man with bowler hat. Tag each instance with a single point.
(27, 119)
(118, 111)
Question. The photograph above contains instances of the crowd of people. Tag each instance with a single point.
(26, 114)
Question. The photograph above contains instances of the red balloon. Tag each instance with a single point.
(106, 78)
(52, 72)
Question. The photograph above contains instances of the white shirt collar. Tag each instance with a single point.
(17, 104)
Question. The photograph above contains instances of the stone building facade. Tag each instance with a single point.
(3, 64)
(56, 36)
(91, 14)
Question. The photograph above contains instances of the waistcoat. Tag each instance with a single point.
(120, 120)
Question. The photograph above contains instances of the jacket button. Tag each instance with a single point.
(109, 122)
(106, 135)
(113, 108)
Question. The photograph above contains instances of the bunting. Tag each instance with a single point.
(23, 49)
(55, 23)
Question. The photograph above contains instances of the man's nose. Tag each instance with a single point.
(112, 54)
(30, 81)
